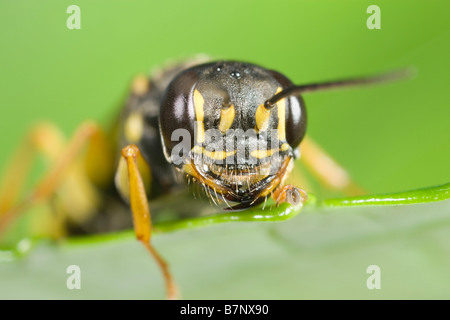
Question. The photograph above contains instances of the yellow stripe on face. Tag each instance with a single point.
(263, 153)
(281, 118)
(267, 153)
(215, 155)
(226, 118)
(199, 102)
(262, 117)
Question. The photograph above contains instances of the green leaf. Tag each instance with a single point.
(323, 252)
(437, 193)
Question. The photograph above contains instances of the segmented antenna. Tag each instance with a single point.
(390, 76)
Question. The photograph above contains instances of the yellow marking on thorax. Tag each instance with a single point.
(226, 118)
(215, 155)
(140, 85)
(199, 103)
(134, 127)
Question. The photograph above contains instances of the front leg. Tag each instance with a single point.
(290, 194)
(133, 189)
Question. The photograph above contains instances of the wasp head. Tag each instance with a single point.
(217, 128)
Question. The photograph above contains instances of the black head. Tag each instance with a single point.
(217, 128)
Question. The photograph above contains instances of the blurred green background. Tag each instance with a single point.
(392, 137)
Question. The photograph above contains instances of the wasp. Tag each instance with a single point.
(232, 128)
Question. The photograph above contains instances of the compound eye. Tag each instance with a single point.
(177, 109)
(295, 113)
(295, 121)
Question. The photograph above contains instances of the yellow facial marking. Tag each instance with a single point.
(281, 105)
(215, 155)
(262, 117)
(267, 153)
(226, 118)
(199, 102)
(263, 153)
(134, 127)
(187, 168)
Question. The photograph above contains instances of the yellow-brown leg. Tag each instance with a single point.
(290, 194)
(327, 170)
(47, 140)
(141, 213)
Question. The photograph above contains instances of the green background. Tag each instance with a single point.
(392, 137)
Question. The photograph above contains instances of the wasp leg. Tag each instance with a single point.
(290, 194)
(47, 140)
(140, 209)
(297, 174)
(327, 170)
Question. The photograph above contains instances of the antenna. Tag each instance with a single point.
(290, 91)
